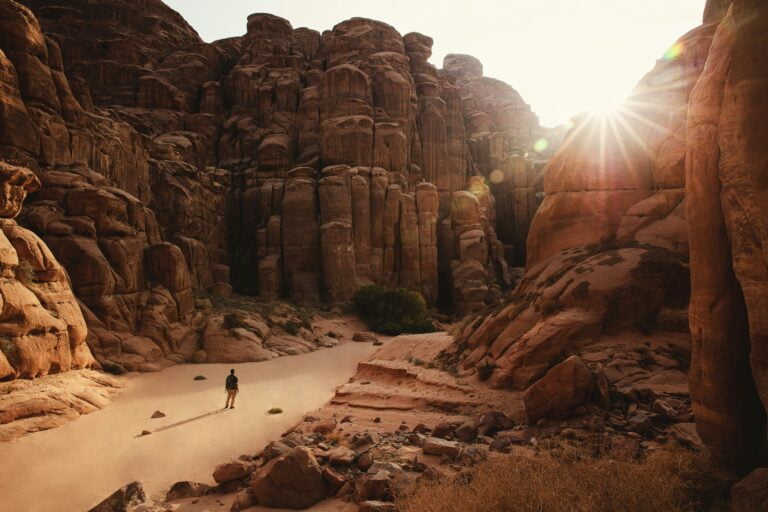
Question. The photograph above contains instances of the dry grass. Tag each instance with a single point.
(664, 481)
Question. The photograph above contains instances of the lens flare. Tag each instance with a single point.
(496, 176)
(540, 145)
(675, 51)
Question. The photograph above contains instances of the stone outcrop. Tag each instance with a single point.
(41, 327)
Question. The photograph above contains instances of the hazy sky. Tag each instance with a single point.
(561, 55)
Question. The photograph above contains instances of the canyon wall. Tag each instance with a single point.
(283, 163)
(672, 183)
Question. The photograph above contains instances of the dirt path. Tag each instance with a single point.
(73, 467)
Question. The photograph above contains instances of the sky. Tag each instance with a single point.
(563, 56)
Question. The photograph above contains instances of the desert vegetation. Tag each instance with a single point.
(572, 480)
(393, 311)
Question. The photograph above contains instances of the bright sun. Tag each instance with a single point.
(603, 109)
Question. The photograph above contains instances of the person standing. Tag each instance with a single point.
(230, 386)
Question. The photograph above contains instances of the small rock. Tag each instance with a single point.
(347, 419)
(145, 432)
(200, 377)
(666, 410)
(230, 471)
(639, 423)
(377, 506)
(342, 456)
(377, 420)
(157, 414)
(444, 430)
(186, 489)
(421, 429)
(365, 461)
(437, 446)
(493, 422)
(364, 337)
(274, 449)
(686, 435)
(471, 456)
(374, 487)
(325, 427)
(466, 432)
(124, 498)
(363, 441)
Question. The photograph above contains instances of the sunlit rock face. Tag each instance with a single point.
(620, 173)
(42, 330)
(672, 181)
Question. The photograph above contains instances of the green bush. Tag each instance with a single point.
(393, 311)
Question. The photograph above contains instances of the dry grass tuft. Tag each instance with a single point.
(668, 481)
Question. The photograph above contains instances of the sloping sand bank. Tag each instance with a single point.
(73, 467)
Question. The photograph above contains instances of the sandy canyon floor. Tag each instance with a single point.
(194, 436)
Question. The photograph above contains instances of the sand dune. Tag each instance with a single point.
(73, 467)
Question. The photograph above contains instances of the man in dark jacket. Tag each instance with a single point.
(230, 386)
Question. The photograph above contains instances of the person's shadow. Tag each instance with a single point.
(184, 422)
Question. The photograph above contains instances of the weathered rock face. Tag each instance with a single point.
(41, 327)
(285, 154)
(571, 302)
(726, 195)
(678, 174)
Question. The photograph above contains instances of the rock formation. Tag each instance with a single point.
(283, 163)
(726, 195)
(675, 175)
(42, 330)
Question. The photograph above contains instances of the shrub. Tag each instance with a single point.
(25, 273)
(291, 328)
(484, 371)
(10, 350)
(665, 480)
(393, 311)
(234, 320)
(275, 410)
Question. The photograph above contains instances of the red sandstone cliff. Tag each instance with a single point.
(283, 162)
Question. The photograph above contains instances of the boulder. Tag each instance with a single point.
(294, 480)
(186, 489)
(562, 389)
(437, 446)
(230, 471)
(123, 499)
